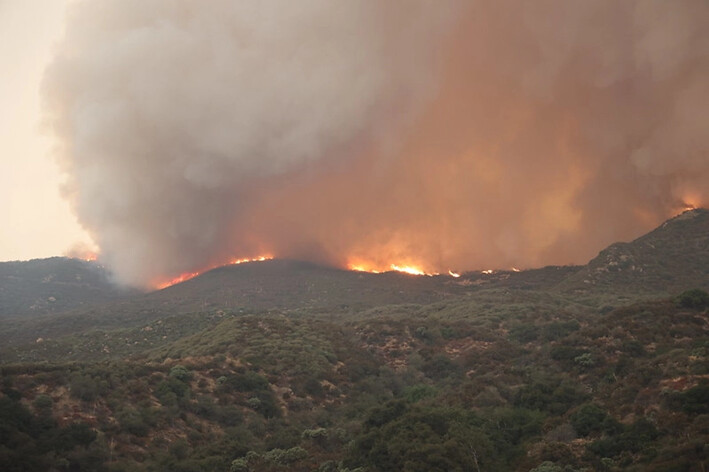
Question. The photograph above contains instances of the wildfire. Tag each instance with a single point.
(406, 268)
(689, 202)
(488, 272)
(409, 270)
(685, 206)
(190, 275)
(90, 257)
(255, 259)
(360, 268)
(179, 279)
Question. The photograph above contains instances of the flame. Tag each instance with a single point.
(364, 266)
(360, 268)
(688, 205)
(408, 270)
(488, 272)
(190, 275)
(453, 274)
(515, 269)
(255, 259)
(179, 279)
(688, 202)
(90, 257)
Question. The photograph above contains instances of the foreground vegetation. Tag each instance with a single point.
(410, 389)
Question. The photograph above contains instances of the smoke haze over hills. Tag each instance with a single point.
(447, 135)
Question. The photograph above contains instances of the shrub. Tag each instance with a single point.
(43, 404)
(559, 329)
(547, 466)
(440, 367)
(588, 419)
(239, 465)
(693, 401)
(83, 387)
(417, 393)
(132, 421)
(585, 360)
(181, 373)
(247, 382)
(285, 456)
(694, 298)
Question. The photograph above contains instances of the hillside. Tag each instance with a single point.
(669, 259)
(289, 366)
(54, 285)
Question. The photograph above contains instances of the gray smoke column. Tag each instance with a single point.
(446, 134)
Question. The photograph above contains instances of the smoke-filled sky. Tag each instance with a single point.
(446, 135)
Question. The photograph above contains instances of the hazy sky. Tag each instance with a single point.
(36, 221)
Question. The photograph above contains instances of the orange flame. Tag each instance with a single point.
(190, 275)
(406, 268)
(689, 201)
(360, 268)
(409, 270)
(179, 279)
(255, 259)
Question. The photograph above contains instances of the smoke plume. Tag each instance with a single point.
(447, 135)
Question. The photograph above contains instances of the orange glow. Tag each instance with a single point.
(408, 270)
(255, 259)
(90, 257)
(360, 268)
(488, 272)
(179, 279)
(190, 275)
(690, 200)
(453, 274)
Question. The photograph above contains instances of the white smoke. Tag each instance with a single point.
(167, 109)
(451, 134)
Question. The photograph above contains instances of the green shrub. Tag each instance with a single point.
(417, 393)
(694, 298)
(239, 465)
(181, 373)
(285, 456)
(588, 419)
(132, 422)
(83, 387)
(246, 382)
(694, 401)
(547, 466)
(43, 404)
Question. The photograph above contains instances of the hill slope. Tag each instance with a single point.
(284, 365)
(671, 258)
(54, 285)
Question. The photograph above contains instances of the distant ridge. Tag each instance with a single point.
(671, 258)
(280, 283)
(54, 285)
